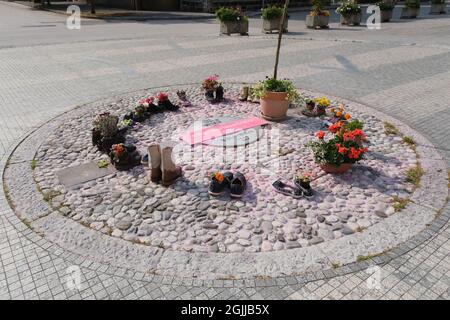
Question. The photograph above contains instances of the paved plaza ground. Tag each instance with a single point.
(402, 70)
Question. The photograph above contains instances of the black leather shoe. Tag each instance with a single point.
(219, 182)
(238, 185)
(219, 94)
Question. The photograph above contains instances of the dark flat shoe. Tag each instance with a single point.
(287, 190)
(238, 185)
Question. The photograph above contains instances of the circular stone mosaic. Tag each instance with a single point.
(185, 217)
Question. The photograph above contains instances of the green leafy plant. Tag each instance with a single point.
(348, 8)
(414, 175)
(318, 8)
(412, 4)
(274, 85)
(227, 14)
(409, 140)
(106, 124)
(34, 164)
(103, 163)
(272, 12)
(126, 123)
(399, 203)
(354, 124)
(386, 5)
(389, 128)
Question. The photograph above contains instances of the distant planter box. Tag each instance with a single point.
(230, 27)
(386, 16)
(409, 13)
(351, 20)
(438, 8)
(317, 21)
(271, 25)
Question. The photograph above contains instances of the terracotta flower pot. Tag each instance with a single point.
(274, 105)
(330, 168)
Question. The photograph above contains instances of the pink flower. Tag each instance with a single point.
(162, 96)
(213, 78)
(146, 102)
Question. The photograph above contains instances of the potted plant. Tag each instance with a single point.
(322, 103)
(271, 16)
(140, 114)
(214, 90)
(275, 96)
(124, 157)
(105, 132)
(318, 17)
(386, 8)
(350, 12)
(149, 105)
(164, 103)
(232, 20)
(438, 7)
(303, 182)
(341, 151)
(310, 104)
(411, 9)
(339, 114)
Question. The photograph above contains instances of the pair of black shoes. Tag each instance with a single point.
(167, 105)
(297, 191)
(236, 183)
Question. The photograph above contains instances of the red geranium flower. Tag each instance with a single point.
(118, 149)
(335, 127)
(320, 135)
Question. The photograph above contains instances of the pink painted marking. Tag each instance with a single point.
(208, 133)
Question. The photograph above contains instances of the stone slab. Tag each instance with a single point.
(76, 175)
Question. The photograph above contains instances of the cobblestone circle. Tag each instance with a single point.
(341, 223)
(186, 217)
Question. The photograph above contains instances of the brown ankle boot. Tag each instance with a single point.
(154, 155)
(170, 172)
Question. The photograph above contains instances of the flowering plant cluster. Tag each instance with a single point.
(211, 83)
(318, 9)
(303, 177)
(322, 102)
(162, 96)
(146, 102)
(345, 146)
(275, 85)
(340, 114)
(348, 8)
(218, 176)
(118, 150)
(227, 14)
